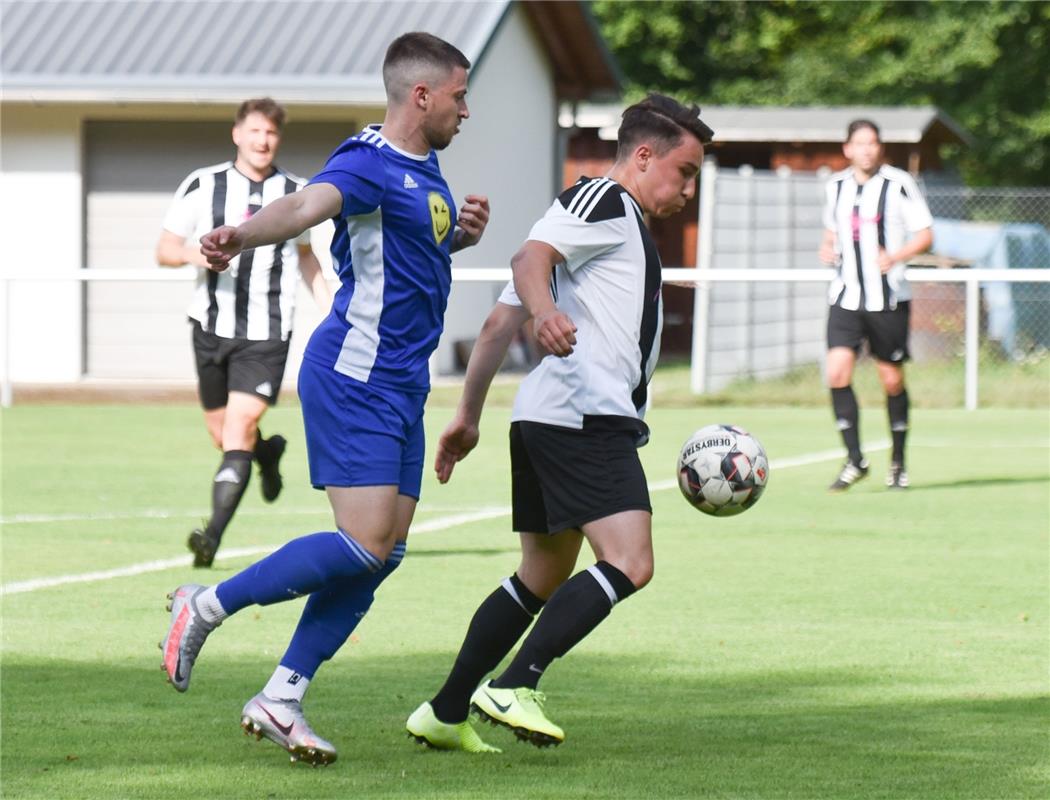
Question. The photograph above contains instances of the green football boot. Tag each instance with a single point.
(520, 710)
(426, 728)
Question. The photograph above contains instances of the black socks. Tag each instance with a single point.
(897, 407)
(227, 490)
(847, 415)
(576, 609)
(497, 625)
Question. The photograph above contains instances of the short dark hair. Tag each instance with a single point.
(417, 51)
(860, 124)
(266, 106)
(661, 121)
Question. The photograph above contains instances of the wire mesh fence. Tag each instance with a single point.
(768, 339)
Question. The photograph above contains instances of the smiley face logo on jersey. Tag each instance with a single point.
(440, 216)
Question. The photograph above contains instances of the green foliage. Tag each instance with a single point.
(987, 64)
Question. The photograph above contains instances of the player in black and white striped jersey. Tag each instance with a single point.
(589, 276)
(241, 318)
(875, 219)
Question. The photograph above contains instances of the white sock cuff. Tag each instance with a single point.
(210, 608)
(607, 587)
(286, 684)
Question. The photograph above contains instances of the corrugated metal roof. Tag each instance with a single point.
(902, 124)
(316, 50)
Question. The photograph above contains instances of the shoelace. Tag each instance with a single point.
(539, 698)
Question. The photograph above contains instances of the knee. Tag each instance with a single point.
(638, 569)
(640, 574)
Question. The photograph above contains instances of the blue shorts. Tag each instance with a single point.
(361, 435)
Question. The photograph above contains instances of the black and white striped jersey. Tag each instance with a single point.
(882, 213)
(255, 297)
(609, 285)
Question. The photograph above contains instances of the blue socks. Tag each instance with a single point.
(301, 567)
(332, 614)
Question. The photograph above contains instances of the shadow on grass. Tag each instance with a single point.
(116, 730)
(983, 483)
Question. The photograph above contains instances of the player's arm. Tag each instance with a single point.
(828, 252)
(461, 435)
(470, 222)
(174, 251)
(313, 277)
(283, 219)
(532, 266)
(919, 243)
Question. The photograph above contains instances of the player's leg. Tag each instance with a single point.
(503, 616)
(500, 620)
(845, 336)
(211, 354)
(592, 479)
(351, 453)
(240, 423)
(258, 370)
(889, 344)
(331, 614)
(379, 518)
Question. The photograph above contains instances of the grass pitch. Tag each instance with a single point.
(871, 645)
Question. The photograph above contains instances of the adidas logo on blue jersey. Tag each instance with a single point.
(410, 183)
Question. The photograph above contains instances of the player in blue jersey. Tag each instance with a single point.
(363, 381)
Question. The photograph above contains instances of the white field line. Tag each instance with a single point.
(438, 524)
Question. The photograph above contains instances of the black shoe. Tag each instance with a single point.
(203, 547)
(269, 467)
(849, 475)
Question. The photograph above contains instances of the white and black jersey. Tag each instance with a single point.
(609, 285)
(255, 297)
(880, 214)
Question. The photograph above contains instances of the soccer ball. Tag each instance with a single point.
(722, 470)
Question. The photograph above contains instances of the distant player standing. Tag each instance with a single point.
(363, 382)
(875, 219)
(589, 276)
(242, 318)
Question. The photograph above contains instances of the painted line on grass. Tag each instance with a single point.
(439, 524)
(161, 513)
(36, 584)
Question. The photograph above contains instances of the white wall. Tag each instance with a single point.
(40, 230)
(505, 150)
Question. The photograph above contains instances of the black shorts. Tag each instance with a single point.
(564, 478)
(237, 365)
(885, 331)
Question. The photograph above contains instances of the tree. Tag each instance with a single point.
(987, 64)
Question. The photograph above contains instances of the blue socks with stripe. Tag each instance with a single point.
(331, 615)
(301, 567)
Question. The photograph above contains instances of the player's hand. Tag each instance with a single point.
(827, 254)
(885, 262)
(459, 438)
(555, 332)
(221, 246)
(472, 219)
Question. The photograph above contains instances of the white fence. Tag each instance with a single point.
(705, 280)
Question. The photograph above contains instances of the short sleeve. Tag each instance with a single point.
(356, 169)
(184, 211)
(509, 297)
(916, 213)
(578, 240)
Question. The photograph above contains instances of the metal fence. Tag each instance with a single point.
(977, 319)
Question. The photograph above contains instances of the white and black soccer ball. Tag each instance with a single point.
(722, 470)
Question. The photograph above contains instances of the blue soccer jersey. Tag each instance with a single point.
(392, 253)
